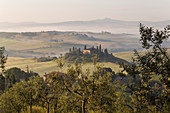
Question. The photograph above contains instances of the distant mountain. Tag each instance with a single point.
(107, 24)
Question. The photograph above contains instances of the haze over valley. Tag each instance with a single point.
(98, 25)
(32, 39)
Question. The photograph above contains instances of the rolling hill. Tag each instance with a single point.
(53, 39)
(54, 43)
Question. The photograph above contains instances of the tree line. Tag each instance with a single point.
(101, 54)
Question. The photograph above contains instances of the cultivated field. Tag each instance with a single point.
(53, 43)
(46, 67)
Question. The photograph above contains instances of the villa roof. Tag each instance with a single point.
(54, 72)
(92, 48)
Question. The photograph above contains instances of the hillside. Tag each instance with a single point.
(46, 67)
(54, 43)
(128, 55)
(92, 54)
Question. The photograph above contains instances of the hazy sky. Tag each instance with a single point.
(69, 10)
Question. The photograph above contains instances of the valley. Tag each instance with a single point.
(54, 43)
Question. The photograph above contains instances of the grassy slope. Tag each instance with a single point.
(7, 42)
(40, 43)
(51, 43)
(46, 67)
(125, 55)
(128, 55)
(42, 67)
(23, 46)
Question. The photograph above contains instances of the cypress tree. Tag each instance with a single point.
(85, 47)
(27, 69)
(3, 59)
(100, 48)
(106, 52)
(97, 49)
(79, 50)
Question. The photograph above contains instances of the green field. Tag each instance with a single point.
(128, 55)
(46, 67)
(125, 55)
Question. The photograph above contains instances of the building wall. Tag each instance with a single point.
(86, 51)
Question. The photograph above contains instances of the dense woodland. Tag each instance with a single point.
(97, 92)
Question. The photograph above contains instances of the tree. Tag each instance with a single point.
(78, 85)
(27, 91)
(2, 82)
(16, 74)
(3, 60)
(106, 52)
(60, 63)
(11, 80)
(103, 92)
(122, 75)
(100, 48)
(122, 104)
(49, 92)
(97, 49)
(132, 69)
(155, 61)
(85, 47)
(12, 101)
(79, 51)
(28, 70)
(21, 95)
(90, 92)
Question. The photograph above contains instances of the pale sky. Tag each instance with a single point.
(49, 11)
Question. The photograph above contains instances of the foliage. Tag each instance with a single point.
(78, 55)
(2, 82)
(19, 74)
(15, 74)
(155, 61)
(89, 92)
(3, 59)
(45, 59)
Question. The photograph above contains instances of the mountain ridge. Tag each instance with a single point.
(104, 19)
(97, 25)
